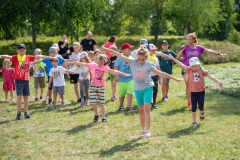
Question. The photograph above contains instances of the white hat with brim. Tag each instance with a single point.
(194, 61)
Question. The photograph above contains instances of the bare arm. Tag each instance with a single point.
(215, 80)
(213, 52)
(116, 75)
(43, 57)
(163, 74)
(69, 71)
(94, 47)
(38, 61)
(178, 63)
(118, 72)
(180, 55)
(64, 44)
(162, 55)
(85, 75)
(81, 63)
(119, 55)
(50, 81)
(6, 56)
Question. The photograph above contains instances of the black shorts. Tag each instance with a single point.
(74, 78)
(51, 85)
(183, 72)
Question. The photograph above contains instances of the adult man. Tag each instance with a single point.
(63, 46)
(88, 43)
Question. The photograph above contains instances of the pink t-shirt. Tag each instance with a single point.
(108, 45)
(98, 77)
(189, 53)
(196, 80)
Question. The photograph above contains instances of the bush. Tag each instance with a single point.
(234, 37)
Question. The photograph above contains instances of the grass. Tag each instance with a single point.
(69, 133)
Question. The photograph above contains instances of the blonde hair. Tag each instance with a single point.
(76, 43)
(193, 36)
(87, 59)
(143, 51)
(5, 61)
(97, 50)
(103, 57)
(90, 53)
(113, 47)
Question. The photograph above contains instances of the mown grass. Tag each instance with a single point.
(69, 133)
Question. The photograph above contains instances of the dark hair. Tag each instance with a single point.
(112, 39)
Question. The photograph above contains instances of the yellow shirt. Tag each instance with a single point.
(20, 59)
(152, 58)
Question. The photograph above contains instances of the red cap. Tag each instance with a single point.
(126, 45)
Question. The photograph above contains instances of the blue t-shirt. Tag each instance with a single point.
(124, 67)
(49, 65)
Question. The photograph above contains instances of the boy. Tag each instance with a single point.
(57, 77)
(22, 76)
(166, 66)
(125, 84)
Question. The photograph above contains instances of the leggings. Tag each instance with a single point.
(86, 84)
(197, 97)
(155, 88)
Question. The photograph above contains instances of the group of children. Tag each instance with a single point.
(139, 75)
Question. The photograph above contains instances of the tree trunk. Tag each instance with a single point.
(185, 29)
(34, 42)
(227, 28)
(156, 34)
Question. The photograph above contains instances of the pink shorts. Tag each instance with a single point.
(8, 86)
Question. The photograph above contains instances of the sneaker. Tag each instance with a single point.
(36, 99)
(194, 124)
(18, 116)
(95, 118)
(164, 99)
(154, 106)
(87, 103)
(113, 98)
(104, 120)
(26, 115)
(82, 103)
(121, 108)
(41, 97)
(63, 105)
(189, 105)
(147, 133)
(79, 100)
(54, 107)
(49, 101)
(129, 109)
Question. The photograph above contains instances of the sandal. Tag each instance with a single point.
(147, 134)
(143, 134)
(130, 109)
(202, 116)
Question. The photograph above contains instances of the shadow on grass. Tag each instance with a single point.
(4, 122)
(183, 132)
(175, 111)
(79, 128)
(76, 110)
(125, 112)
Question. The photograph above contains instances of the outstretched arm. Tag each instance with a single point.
(162, 55)
(119, 55)
(80, 63)
(209, 51)
(178, 62)
(6, 56)
(118, 73)
(73, 72)
(38, 61)
(215, 80)
(180, 53)
(43, 57)
(165, 75)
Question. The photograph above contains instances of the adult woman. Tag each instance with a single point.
(63, 46)
(109, 43)
(192, 50)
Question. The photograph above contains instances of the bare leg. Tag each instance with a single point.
(167, 88)
(76, 90)
(50, 94)
(36, 92)
(41, 91)
(19, 101)
(121, 100)
(129, 100)
(54, 99)
(142, 117)
(6, 95)
(62, 97)
(164, 89)
(103, 111)
(113, 84)
(147, 115)
(94, 106)
(25, 99)
(194, 116)
(11, 94)
(185, 76)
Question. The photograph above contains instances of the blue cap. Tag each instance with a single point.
(143, 41)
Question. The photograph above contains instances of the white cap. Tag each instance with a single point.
(194, 61)
(83, 54)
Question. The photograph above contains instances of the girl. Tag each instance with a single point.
(97, 88)
(143, 84)
(192, 50)
(8, 79)
(196, 87)
(84, 77)
(112, 77)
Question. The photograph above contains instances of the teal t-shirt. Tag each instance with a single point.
(165, 63)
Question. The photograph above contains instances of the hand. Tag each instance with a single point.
(221, 85)
(222, 55)
(127, 75)
(179, 79)
(81, 80)
(170, 57)
(68, 76)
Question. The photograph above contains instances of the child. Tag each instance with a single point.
(143, 84)
(57, 77)
(22, 76)
(125, 84)
(197, 87)
(97, 88)
(112, 77)
(96, 54)
(84, 77)
(8, 79)
(166, 66)
(39, 75)
(152, 50)
(91, 55)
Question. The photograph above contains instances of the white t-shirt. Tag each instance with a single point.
(134, 53)
(81, 70)
(58, 76)
(72, 57)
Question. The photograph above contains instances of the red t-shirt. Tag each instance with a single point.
(196, 80)
(108, 45)
(22, 72)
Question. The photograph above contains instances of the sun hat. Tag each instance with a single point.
(83, 54)
(194, 61)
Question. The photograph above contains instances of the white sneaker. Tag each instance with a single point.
(47, 98)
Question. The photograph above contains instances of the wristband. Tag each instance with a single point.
(218, 53)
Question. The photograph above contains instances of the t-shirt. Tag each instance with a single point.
(98, 77)
(134, 53)
(141, 74)
(81, 70)
(22, 72)
(108, 45)
(8, 75)
(72, 57)
(165, 63)
(58, 76)
(125, 68)
(88, 44)
(155, 61)
(196, 80)
(38, 70)
(62, 50)
(49, 65)
(189, 53)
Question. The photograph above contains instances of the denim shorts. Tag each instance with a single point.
(58, 90)
(144, 96)
(22, 87)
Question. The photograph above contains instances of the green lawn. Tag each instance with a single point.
(69, 133)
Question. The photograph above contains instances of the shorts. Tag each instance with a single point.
(22, 87)
(112, 77)
(51, 85)
(144, 96)
(74, 78)
(165, 80)
(39, 81)
(97, 94)
(183, 72)
(125, 88)
(9, 86)
(58, 90)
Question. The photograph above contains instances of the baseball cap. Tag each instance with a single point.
(55, 45)
(83, 54)
(143, 41)
(194, 61)
(151, 47)
(164, 41)
(126, 45)
(37, 50)
(52, 49)
(21, 46)
(54, 59)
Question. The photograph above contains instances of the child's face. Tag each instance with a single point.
(38, 53)
(165, 46)
(7, 64)
(141, 59)
(55, 63)
(83, 60)
(91, 57)
(76, 48)
(127, 51)
(100, 63)
(152, 52)
(195, 67)
(52, 54)
(21, 51)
